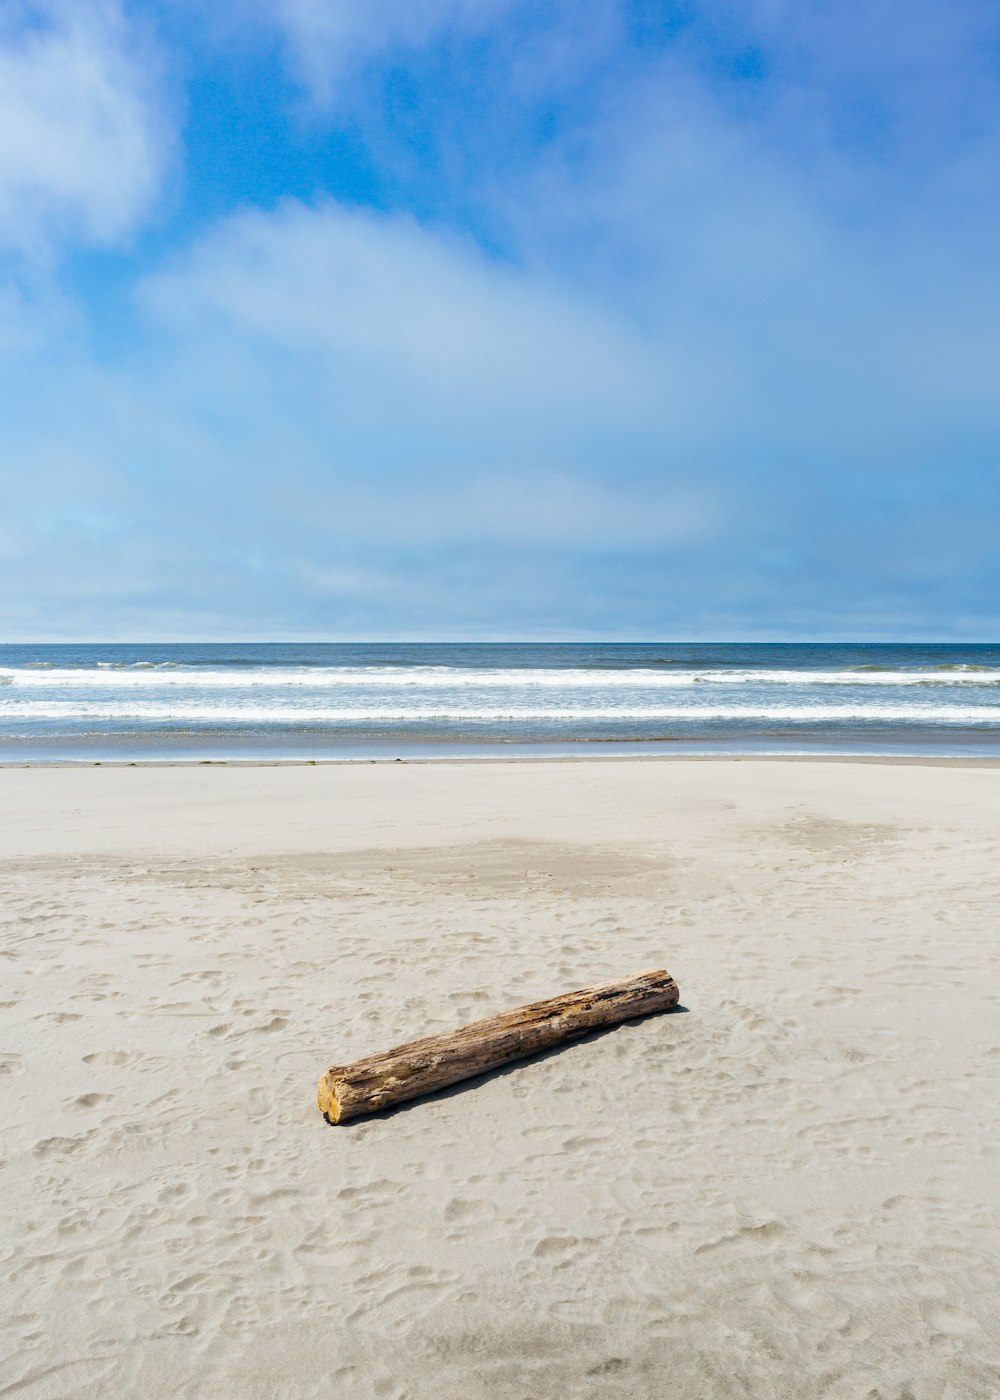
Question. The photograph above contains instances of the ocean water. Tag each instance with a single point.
(277, 701)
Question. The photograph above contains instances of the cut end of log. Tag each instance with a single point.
(327, 1100)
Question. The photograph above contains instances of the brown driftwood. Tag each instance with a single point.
(422, 1066)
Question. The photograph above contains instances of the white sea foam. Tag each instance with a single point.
(146, 676)
(246, 713)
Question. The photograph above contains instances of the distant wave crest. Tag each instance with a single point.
(112, 676)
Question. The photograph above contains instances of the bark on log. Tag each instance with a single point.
(422, 1066)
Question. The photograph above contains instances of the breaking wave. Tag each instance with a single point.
(147, 675)
(248, 714)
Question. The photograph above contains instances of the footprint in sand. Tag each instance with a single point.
(89, 1100)
(175, 1194)
(61, 1145)
(763, 1233)
(613, 1366)
(948, 1320)
(465, 1212)
(557, 1247)
(276, 1023)
(798, 1293)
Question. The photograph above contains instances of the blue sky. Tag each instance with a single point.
(499, 318)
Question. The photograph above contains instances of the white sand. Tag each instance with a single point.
(789, 1191)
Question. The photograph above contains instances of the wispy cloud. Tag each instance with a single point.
(82, 143)
(414, 312)
(328, 39)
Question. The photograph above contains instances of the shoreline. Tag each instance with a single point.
(900, 760)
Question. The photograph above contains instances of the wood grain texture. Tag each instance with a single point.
(423, 1066)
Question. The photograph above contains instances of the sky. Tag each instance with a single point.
(488, 319)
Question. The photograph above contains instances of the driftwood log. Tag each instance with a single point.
(422, 1066)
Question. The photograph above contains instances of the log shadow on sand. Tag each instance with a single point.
(501, 1071)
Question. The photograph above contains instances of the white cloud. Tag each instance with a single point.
(326, 37)
(82, 142)
(420, 318)
(414, 392)
(337, 410)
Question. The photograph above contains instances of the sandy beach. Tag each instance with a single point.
(789, 1189)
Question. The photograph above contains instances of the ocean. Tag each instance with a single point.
(279, 701)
